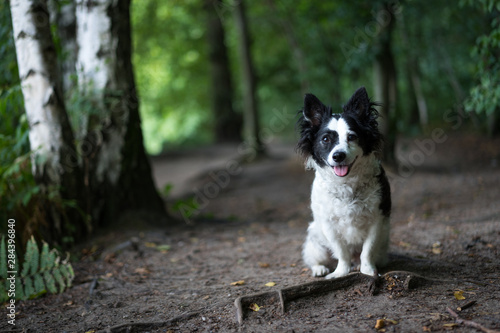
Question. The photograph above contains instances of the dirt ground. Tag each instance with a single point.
(245, 241)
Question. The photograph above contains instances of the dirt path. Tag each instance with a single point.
(445, 234)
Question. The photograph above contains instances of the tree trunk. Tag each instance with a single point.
(298, 53)
(54, 162)
(414, 84)
(384, 71)
(63, 17)
(117, 169)
(250, 108)
(227, 122)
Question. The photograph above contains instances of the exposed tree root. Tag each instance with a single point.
(280, 297)
(146, 326)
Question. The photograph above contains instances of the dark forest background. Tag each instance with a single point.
(224, 71)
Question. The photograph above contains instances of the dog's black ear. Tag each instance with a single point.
(314, 110)
(359, 103)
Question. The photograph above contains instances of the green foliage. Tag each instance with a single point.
(42, 271)
(170, 59)
(299, 47)
(485, 95)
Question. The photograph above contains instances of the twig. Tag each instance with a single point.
(146, 326)
(470, 323)
(466, 306)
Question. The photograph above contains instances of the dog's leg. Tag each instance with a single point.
(374, 248)
(315, 255)
(343, 254)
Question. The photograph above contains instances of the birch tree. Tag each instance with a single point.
(54, 162)
(116, 167)
(107, 173)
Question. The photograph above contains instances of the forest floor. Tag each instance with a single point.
(244, 246)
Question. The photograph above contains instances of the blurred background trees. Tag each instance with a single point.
(204, 75)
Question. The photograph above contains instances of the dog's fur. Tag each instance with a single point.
(350, 200)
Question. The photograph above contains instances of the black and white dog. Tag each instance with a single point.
(351, 199)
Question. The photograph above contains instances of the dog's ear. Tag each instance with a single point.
(359, 103)
(314, 110)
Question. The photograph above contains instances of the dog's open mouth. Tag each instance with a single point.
(343, 170)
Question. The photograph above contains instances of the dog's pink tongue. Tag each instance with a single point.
(341, 170)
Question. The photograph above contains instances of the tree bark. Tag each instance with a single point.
(228, 123)
(384, 71)
(62, 14)
(117, 169)
(250, 108)
(54, 162)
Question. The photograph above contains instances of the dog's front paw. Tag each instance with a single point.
(368, 269)
(341, 270)
(319, 270)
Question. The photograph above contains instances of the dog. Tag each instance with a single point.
(351, 196)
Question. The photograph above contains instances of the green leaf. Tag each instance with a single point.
(60, 280)
(19, 289)
(27, 259)
(3, 259)
(39, 284)
(29, 290)
(44, 257)
(35, 257)
(64, 273)
(50, 282)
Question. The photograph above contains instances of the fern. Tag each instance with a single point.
(42, 272)
(3, 270)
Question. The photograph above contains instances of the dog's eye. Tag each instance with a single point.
(352, 137)
(325, 139)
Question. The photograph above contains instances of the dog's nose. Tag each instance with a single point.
(339, 156)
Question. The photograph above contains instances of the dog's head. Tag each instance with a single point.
(339, 140)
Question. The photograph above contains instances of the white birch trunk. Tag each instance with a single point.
(40, 93)
(54, 160)
(96, 62)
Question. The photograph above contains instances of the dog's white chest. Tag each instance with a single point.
(346, 211)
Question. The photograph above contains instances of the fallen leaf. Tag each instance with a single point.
(238, 283)
(270, 284)
(380, 324)
(436, 248)
(450, 325)
(254, 307)
(142, 270)
(459, 295)
(163, 247)
(263, 265)
(404, 244)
